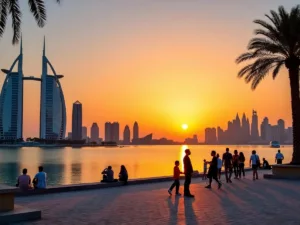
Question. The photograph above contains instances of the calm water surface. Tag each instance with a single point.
(83, 165)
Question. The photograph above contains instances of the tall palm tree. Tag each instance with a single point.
(37, 8)
(277, 45)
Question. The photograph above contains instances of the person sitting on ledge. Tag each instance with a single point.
(123, 175)
(24, 181)
(40, 178)
(266, 165)
(108, 175)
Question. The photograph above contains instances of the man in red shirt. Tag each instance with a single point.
(176, 178)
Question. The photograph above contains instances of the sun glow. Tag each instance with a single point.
(184, 126)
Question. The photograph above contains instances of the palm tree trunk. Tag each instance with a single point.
(294, 83)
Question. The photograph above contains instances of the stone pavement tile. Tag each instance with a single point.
(243, 202)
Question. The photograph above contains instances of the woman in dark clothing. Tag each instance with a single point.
(123, 175)
(241, 165)
(213, 170)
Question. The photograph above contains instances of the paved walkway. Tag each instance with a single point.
(243, 202)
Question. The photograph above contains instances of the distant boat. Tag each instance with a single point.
(274, 144)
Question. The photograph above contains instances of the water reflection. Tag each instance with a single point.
(70, 166)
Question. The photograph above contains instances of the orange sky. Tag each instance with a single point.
(160, 64)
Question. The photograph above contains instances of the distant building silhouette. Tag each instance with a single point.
(135, 130)
(289, 135)
(126, 135)
(69, 135)
(147, 140)
(281, 128)
(210, 136)
(265, 130)
(84, 133)
(95, 133)
(112, 131)
(192, 141)
(77, 121)
(254, 127)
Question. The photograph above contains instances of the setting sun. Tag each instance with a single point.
(184, 126)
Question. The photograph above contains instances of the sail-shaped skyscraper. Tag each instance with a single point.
(52, 105)
(11, 102)
(53, 108)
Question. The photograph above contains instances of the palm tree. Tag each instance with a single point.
(277, 45)
(37, 8)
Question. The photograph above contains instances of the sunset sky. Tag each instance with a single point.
(162, 63)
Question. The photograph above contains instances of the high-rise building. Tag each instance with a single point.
(115, 132)
(275, 133)
(210, 136)
(281, 127)
(95, 133)
(126, 135)
(245, 130)
(84, 133)
(135, 131)
(77, 121)
(69, 135)
(289, 135)
(108, 131)
(221, 135)
(53, 108)
(254, 127)
(11, 102)
(52, 104)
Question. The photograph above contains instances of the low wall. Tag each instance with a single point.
(92, 186)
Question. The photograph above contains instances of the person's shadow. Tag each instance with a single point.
(190, 217)
(173, 210)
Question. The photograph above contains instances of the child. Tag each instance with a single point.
(176, 177)
(204, 170)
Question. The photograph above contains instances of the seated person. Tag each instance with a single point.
(108, 175)
(266, 164)
(40, 178)
(24, 181)
(123, 175)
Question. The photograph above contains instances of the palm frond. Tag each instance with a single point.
(256, 71)
(37, 7)
(267, 46)
(277, 69)
(14, 10)
(3, 16)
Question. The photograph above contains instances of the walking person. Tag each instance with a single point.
(241, 165)
(176, 177)
(279, 157)
(235, 162)
(219, 166)
(188, 171)
(254, 161)
(213, 171)
(227, 162)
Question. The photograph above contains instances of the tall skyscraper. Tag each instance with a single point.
(11, 101)
(210, 136)
(281, 127)
(126, 135)
(108, 131)
(254, 127)
(115, 132)
(135, 131)
(245, 132)
(84, 133)
(53, 108)
(112, 132)
(265, 130)
(95, 133)
(77, 121)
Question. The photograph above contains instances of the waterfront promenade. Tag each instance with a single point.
(243, 202)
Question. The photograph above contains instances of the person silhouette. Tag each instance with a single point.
(188, 171)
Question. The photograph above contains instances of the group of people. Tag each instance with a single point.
(108, 175)
(232, 164)
(39, 181)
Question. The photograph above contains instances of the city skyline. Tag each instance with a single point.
(149, 71)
